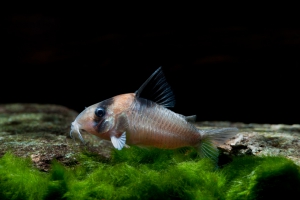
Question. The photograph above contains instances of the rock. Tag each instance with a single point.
(41, 133)
(261, 139)
(238, 139)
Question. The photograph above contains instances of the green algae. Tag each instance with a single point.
(262, 178)
(37, 131)
(147, 174)
(18, 180)
(137, 173)
(42, 133)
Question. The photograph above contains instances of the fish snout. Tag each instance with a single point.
(75, 126)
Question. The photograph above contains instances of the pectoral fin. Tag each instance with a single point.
(119, 142)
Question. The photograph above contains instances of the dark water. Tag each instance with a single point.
(236, 73)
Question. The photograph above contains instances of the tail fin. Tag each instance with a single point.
(211, 139)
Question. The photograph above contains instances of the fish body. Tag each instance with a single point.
(150, 124)
(133, 120)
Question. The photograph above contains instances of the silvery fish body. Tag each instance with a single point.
(133, 120)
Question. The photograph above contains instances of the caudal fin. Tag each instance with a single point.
(212, 138)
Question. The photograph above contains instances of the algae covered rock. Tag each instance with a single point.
(40, 132)
(260, 162)
(261, 139)
(137, 173)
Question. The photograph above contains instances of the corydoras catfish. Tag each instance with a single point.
(133, 120)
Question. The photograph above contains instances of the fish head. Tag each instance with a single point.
(100, 119)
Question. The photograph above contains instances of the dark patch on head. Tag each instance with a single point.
(99, 123)
(106, 103)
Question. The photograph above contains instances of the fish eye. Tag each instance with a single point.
(99, 112)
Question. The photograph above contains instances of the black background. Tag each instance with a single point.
(246, 71)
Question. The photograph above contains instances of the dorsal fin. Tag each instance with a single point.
(156, 89)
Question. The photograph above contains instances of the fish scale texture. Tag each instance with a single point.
(159, 126)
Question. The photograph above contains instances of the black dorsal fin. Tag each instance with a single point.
(156, 89)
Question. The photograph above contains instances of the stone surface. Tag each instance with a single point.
(41, 132)
(261, 139)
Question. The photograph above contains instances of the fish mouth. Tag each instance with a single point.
(75, 126)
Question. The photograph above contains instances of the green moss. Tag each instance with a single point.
(263, 178)
(137, 173)
(18, 180)
(59, 179)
